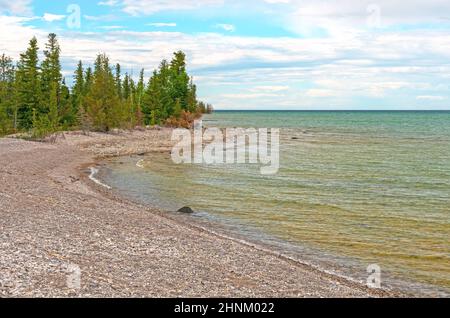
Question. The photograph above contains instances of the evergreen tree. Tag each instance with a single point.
(103, 104)
(53, 117)
(192, 102)
(126, 90)
(36, 99)
(8, 109)
(78, 88)
(118, 81)
(51, 72)
(28, 85)
(87, 81)
(67, 112)
(179, 79)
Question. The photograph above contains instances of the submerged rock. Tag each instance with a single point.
(186, 210)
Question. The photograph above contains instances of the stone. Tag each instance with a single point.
(186, 210)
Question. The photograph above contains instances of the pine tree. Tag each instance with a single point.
(140, 89)
(177, 109)
(126, 90)
(87, 81)
(118, 81)
(67, 112)
(38, 98)
(78, 88)
(53, 116)
(103, 104)
(51, 72)
(28, 85)
(192, 102)
(154, 100)
(7, 93)
(179, 79)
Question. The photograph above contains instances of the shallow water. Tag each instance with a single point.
(356, 188)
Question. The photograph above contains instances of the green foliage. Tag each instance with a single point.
(50, 72)
(28, 86)
(78, 90)
(35, 98)
(7, 95)
(41, 125)
(102, 101)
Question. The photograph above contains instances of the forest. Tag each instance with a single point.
(35, 99)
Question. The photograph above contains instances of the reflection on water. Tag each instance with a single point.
(367, 187)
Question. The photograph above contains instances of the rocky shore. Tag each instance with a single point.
(63, 235)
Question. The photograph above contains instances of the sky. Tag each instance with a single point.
(259, 54)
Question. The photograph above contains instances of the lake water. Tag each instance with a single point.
(353, 189)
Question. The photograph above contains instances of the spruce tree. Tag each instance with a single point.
(28, 85)
(126, 90)
(51, 72)
(179, 79)
(87, 81)
(78, 87)
(53, 116)
(7, 93)
(67, 112)
(118, 81)
(103, 104)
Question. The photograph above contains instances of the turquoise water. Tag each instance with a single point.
(353, 189)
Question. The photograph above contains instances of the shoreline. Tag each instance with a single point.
(172, 257)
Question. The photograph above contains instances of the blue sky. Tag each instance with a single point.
(259, 54)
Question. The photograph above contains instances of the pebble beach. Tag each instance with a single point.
(55, 222)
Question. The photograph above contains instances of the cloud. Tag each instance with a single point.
(109, 3)
(162, 24)
(318, 92)
(112, 27)
(426, 97)
(271, 88)
(277, 1)
(19, 7)
(53, 17)
(148, 7)
(249, 95)
(107, 17)
(342, 66)
(314, 18)
(226, 27)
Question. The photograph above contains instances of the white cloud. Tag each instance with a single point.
(271, 88)
(112, 27)
(277, 1)
(162, 24)
(429, 97)
(319, 92)
(107, 17)
(109, 3)
(146, 7)
(345, 17)
(19, 7)
(226, 27)
(49, 17)
(249, 95)
(346, 64)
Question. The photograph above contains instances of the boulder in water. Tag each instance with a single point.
(186, 210)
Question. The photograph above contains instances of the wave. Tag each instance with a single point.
(140, 164)
(94, 171)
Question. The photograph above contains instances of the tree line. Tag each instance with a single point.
(34, 96)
